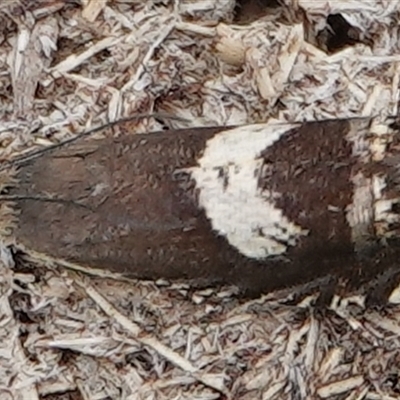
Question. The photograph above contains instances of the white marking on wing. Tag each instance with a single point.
(360, 213)
(227, 179)
(371, 205)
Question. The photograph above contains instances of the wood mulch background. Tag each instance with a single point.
(67, 66)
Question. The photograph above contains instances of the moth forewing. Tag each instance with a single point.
(263, 206)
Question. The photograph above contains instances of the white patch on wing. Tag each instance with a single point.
(360, 213)
(227, 178)
(99, 189)
(359, 138)
(371, 205)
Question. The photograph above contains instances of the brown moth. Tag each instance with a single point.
(262, 207)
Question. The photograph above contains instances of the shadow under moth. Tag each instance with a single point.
(262, 207)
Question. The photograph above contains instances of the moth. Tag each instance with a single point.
(261, 207)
